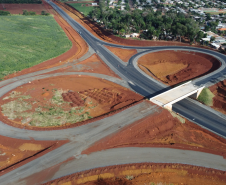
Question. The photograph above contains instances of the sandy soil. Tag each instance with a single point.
(17, 152)
(219, 101)
(145, 174)
(173, 67)
(164, 130)
(98, 95)
(79, 48)
(124, 54)
(92, 64)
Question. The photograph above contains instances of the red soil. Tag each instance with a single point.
(198, 64)
(162, 130)
(124, 54)
(17, 152)
(104, 95)
(18, 8)
(92, 64)
(219, 101)
(79, 48)
(145, 173)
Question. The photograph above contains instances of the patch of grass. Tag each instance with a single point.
(29, 40)
(182, 120)
(129, 177)
(52, 114)
(81, 7)
(206, 97)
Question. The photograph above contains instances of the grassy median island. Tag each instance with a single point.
(29, 40)
(206, 97)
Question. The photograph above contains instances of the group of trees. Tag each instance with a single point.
(21, 1)
(154, 23)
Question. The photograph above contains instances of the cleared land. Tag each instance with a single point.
(85, 8)
(29, 40)
(173, 67)
(17, 152)
(63, 100)
(18, 8)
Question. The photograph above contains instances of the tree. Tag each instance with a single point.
(122, 31)
(212, 39)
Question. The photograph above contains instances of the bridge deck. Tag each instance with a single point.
(175, 94)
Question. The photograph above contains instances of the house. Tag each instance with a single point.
(135, 35)
(215, 46)
(94, 4)
(222, 29)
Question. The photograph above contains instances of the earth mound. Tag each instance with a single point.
(173, 67)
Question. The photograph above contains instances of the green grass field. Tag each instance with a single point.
(81, 7)
(206, 97)
(29, 40)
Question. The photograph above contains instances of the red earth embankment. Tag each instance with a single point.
(173, 67)
(219, 101)
(145, 174)
(163, 130)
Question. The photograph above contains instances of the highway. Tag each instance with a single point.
(149, 87)
(82, 137)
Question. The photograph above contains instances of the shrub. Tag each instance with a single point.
(4, 12)
(44, 13)
(25, 12)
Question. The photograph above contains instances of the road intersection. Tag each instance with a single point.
(84, 136)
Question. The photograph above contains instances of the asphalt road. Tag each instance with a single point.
(149, 88)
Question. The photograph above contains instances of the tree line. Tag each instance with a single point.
(154, 23)
(21, 1)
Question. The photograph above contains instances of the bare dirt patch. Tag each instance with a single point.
(124, 54)
(145, 174)
(219, 100)
(64, 100)
(164, 129)
(18, 8)
(17, 152)
(173, 67)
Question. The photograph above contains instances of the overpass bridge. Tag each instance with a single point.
(168, 98)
